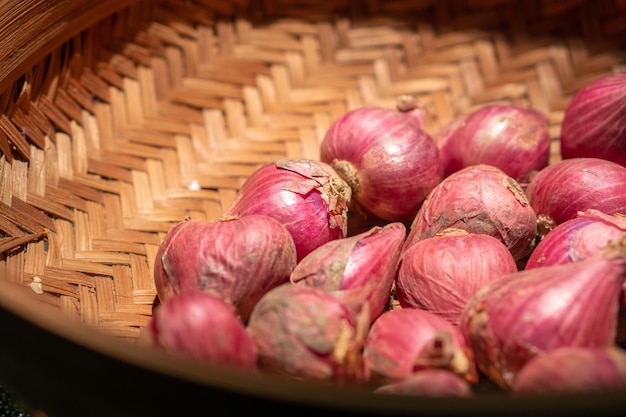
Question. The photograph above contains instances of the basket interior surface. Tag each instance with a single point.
(161, 110)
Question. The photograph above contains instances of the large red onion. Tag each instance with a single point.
(304, 332)
(404, 341)
(202, 326)
(305, 195)
(510, 137)
(386, 156)
(433, 382)
(562, 189)
(238, 258)
(441, 273)
(594, 123)
(572, 370)
(478, 199)
(359, 270)
(518, 316)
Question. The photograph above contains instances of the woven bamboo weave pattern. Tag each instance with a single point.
(161, 111)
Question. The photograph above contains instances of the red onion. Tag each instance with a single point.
(441, 273)
(562, 189)
(305, 195)
(594, 123)
(307, 333)
(202, 326)
(478, 199)
(359, 270)
(572, 370)
(518, 316)
(386, 156)
(429, 383)
(239, 258)
(404, 341)
(512, 138)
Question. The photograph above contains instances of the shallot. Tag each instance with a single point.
(433, 382)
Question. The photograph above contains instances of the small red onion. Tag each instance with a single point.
(512, 138)
(518, 316)
(570, 370)
(404, 341)
(239, 258)
(432, 382)
(478, 199)
(386, 156)
(202, 326)
(562, 189)
(441, 273)
(305, 195)
(594, 122)
(304, 332)
(359, 270)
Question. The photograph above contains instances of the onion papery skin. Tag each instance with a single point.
(518, 316)
(441, 273)
(389, 160)
(307, 196)
(594, 122)
(478, 199)
(429, 383)
(202, 326)
(404, 341)
(562, 189)
(513, 138)
(239, 258)
(359, 270)
(571, 370)
(304, 332)
(577, 238)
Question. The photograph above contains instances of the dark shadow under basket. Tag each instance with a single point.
(119, 119)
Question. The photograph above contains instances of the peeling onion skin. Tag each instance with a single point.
(513, 138)
(240, 258)
(594, 122)
(202, 326)
(518, 316)
(571, 370)
(429, 383)
(478, 199)
(562, 189)
(307, 196)
(386, 156)
(441, 273)
(359, 270)
(303, 332)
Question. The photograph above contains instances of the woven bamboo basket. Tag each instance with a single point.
(119, 119)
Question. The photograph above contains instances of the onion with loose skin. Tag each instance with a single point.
(386, 157)
(518, 316)
(441, 273)
(594, 122)
(433, 382)
(307, 196)
(240, 258)
(478, 199)
(360, 270)
(510, 137)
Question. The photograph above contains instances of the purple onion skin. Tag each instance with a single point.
(304, 332)
(429, 383)
(562, 189)
(512, 138)
(478, 199)
(594, 122)
(518, 316)
(202, 326)
(441, 273)
(307, 196)
(359, 270)
(570, 370)
(239, 258)
(386, 156)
